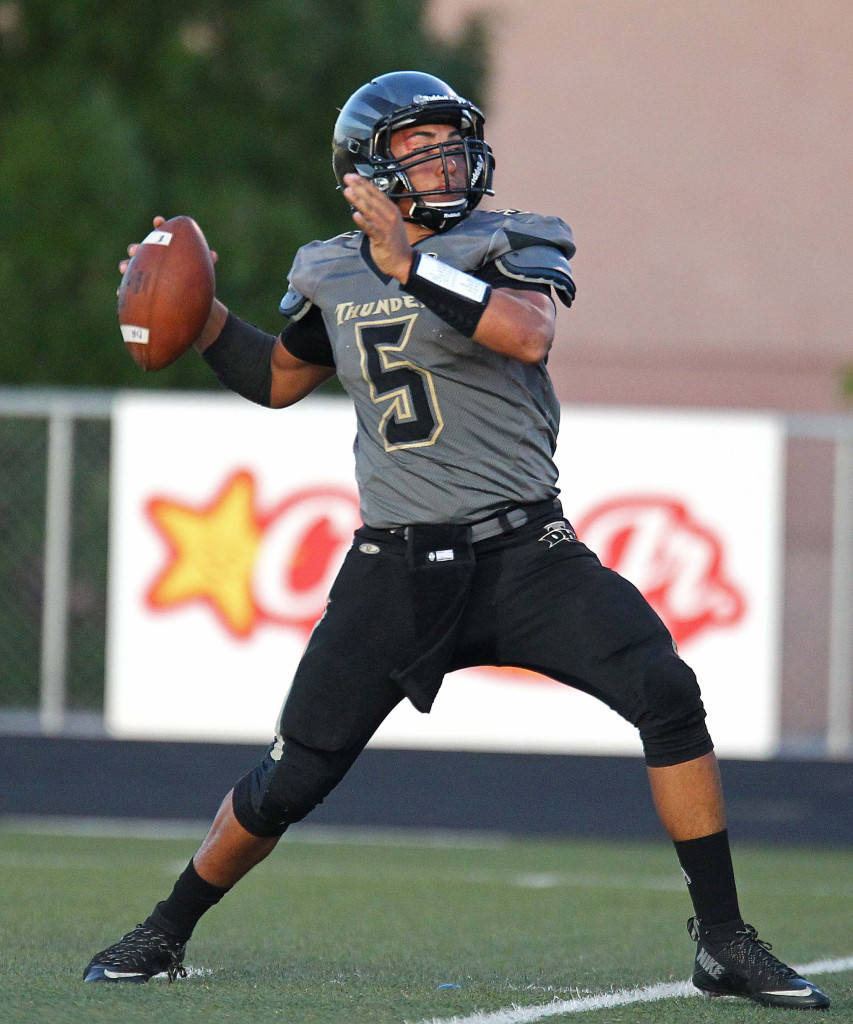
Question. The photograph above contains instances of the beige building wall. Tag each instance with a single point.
(702, 153)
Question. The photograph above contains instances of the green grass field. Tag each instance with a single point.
(367, 928)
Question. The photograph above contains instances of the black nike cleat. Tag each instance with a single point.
(138, 956)
(741, 964)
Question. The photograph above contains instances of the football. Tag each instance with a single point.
(166, 293)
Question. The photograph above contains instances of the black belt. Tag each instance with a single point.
(505, 521)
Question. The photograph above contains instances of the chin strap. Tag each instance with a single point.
(434, 220)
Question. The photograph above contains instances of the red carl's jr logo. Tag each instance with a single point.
(675, 561)
(248, 565)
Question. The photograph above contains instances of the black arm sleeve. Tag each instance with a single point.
(308, 339)
(240, 358)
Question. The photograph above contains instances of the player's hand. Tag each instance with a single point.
(131, 249)
(382, 222)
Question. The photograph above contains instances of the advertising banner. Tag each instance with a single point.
(229, 522)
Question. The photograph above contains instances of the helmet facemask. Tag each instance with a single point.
(441, 207)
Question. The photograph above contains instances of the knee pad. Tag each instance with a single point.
(672, 727)
(286, 786)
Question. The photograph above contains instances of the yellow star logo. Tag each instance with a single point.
(212, 553)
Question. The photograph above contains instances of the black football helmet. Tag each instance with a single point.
(362, 138)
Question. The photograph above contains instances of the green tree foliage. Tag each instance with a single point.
(112, 111)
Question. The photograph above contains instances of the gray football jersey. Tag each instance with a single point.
(447, 429)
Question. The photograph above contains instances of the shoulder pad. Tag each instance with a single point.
(519, 230)
(294, 304)
(541, 264)
(312, 263)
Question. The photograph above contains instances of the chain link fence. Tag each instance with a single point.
(23, 462)
(54, 502)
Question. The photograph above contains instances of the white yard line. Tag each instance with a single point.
(15, 860)
(334, 836)
(481, 876)
(603, 1001)
(621, 997)
(831, 965)
(149, 828)
(103, 828)
(192, 972)
(322, 835)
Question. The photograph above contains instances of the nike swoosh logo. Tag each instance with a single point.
(124, 974)
(800, 993)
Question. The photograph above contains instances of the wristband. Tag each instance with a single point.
(240, 358)
(458, 298)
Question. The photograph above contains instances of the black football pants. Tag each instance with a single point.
(539, 600)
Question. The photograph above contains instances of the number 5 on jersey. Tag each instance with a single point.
(405, 392)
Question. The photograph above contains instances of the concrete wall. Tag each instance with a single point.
(768, 801)
(702, 153)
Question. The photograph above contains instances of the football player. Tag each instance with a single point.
(437, 318)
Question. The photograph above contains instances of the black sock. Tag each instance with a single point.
(191, 897)
(707, 866)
